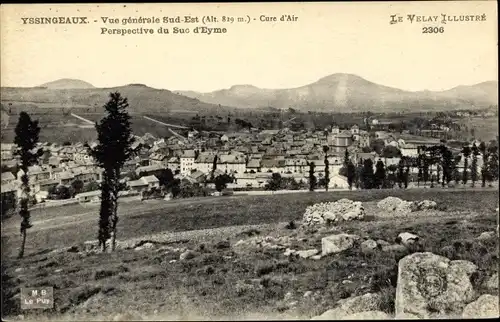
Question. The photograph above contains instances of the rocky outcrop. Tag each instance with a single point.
(407, 239)
(337, 243)
(357, 306)
(268, 242)
(332, 212)
(431, 286)
(395, 204)
(486, 306)
(492, 283)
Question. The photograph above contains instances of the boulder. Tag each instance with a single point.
(487, 235)
(430, 286)
(395, 204)
(352, 305)
(368, 315)
(486, 306)
(368, 245)
(307, 253)
(331, 212)
(268, 242)
(390, 203)
(145, 246)
(426, 205)
(128, 316)
(90, 245)
(492, 283)
(188, 254)
(407, 239)
(337, 243)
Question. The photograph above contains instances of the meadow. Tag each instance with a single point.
(223, 281)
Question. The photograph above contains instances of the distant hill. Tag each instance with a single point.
(348, 92)
(333, 93)
(67, 83)
(141, 98)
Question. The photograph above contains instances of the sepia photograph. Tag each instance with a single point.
(249, 161)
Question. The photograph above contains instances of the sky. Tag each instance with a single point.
(327, 38)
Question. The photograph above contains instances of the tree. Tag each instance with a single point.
(358, 182)
(455, 173)
(407, 173)
(419, 166)
(377, 145)
(77, 186)
(466, 151)
(114, 148)
(27, 132)
(484, 167)
(473, 166)
(91, 186)
(346, 157)
(447, 165)
(214, 167)
(351, 174)
(275, 182)
(400, 176)
(221, 181)
(312, 178)
(327, 166)
(379, 177)
(166, 178)
(391, 152)
(493, 164)
(367, 175)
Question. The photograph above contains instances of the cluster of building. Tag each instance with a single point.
(250, 158)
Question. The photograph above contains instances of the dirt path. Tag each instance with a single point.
(125, 210)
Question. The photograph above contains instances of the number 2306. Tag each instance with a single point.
(432, 30)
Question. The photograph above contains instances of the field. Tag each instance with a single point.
(222, 280)
(484, 128)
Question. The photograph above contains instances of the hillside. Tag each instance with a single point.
(67, 83)
(239, 265)
(340, 92)
(142, 99)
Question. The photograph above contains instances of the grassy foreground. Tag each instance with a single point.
(222, 281)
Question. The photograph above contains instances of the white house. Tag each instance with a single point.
(7, 177)
(90, 196)
(231, 163)
(144, 183)
(187, 161)
(409, 150)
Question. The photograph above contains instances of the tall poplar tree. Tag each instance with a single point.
(114, 148)
(327, 167)
(27, 132)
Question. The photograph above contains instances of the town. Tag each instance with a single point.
(248, 159)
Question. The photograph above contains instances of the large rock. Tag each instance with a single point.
(337, 243)
(395, 204)
(331, 212)
(492, 283)
(258, 242)
(353, 305)
(426, 205)
(487, 235)
(369, 245)
(307, 253)
(368, 315)
(486, 306)
(431, 286)
(408, 239)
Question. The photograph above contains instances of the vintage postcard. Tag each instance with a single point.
(235, 161)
